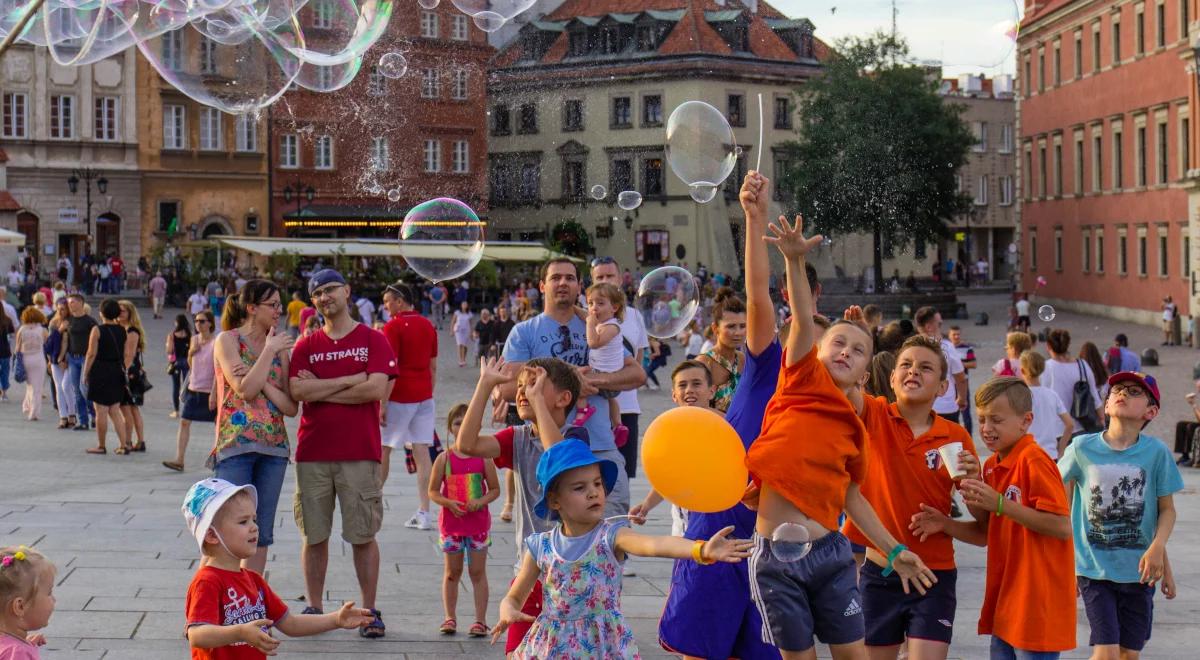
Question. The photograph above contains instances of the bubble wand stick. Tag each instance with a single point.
(758, 165)
(20, 26)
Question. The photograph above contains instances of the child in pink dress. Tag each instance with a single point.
(463, 486)
(26, 601)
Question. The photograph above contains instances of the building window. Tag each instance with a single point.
(172, 50)
(1185, 146)
(210, 129)
(381, 157)
(736, 109)
(1096, 47)
(1160, 155)
(1057, 65)
(652, 176)
(461, 78)
(430, 84)
(1058, 170)
(652, 110)
(528, 120)
(323, 152)
(782, 167)
(376, 83)
(577, 43)
(15, 115)
(1078, 55)
(1140, 156)
(108, 118)
(501, 120)
(1097, 162)
(289, 150)
(62, 117)
(1116, 43)
(174, 127)
(1086, 244)
(783, 113)
(1122, 251)
(1184, 17)
(531, 182)
(1006, 138)
(460, 158)
(1185, 257)
(572, 115)
(1027, 173)
(732, 183)
(1142, 251)
(1160, 25)
(1163, 265)
(622, 112)
(1118, 160)
(1139, 37)
(1006, 191)
(1078, 165)
(323, 14)
(1033, 255)
(459, 28)
(168, 214)
(429, 25)
(1099, 250)
(1058, 249)
(574, 176)
(1027, 81)
(981, 191)
(1042, 70)
(433, 156)
(208, 55)
(246, 131)
(620, 175)
(1043, 173)
(979, 129)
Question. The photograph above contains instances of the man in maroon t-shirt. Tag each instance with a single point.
(409, 413)
(340, 373)
(117, 266)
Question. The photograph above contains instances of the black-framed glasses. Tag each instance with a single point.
(600, 261)
(1134, 391)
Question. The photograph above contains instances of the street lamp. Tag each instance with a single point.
(301, 191)
(87, 175)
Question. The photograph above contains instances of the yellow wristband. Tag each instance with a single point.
(698, 554)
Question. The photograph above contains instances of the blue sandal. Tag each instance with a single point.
(375, 629)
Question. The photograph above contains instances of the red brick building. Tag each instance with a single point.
(423, 134)
(1105, 145)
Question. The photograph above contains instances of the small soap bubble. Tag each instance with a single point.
(629, 200)
(1046, 313)
(668, 299)
(790, 542)
(393, 195)
(393, 65)
(599, 192)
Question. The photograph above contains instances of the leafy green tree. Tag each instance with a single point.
(878, 148)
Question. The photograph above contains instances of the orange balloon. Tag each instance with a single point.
(695, 459)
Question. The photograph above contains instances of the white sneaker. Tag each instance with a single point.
(424, 524)
(627, 570)
(415, 521)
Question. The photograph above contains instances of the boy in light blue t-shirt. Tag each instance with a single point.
(1121, 485)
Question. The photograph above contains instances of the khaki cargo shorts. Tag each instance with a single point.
(355, 484)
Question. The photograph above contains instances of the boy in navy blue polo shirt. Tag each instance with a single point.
(1121, 484)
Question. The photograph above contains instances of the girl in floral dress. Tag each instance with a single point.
(579, 562)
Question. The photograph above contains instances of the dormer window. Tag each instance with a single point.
(578, 43)
(610, 41)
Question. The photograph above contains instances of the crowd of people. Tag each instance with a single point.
(847, 539)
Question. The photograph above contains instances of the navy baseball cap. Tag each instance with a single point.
(323, 277)
(568, 455)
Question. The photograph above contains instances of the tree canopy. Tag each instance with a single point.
(878, 148)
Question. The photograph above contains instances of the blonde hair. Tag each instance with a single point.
(1019, 342)
(1032, 364)
(20, 571)
(1013, 389)
(135, 322)
(614, 295)
(39, 299)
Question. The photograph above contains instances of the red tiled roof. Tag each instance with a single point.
(692, 34)
(7, 201)
(572, 8)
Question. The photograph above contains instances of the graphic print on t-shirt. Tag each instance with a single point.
(239, 609)
(1115, 506)
(567, 345)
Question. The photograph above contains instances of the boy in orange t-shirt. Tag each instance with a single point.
(904, 475)
(808, 464)
(1021, 514)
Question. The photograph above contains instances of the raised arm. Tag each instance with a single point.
(760, 316)
(492, 373)
(794, 247)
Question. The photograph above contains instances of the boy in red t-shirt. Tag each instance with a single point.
(905, 474)
(808, 463)
(230, 610)
(1021, 515)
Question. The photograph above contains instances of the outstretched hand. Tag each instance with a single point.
(913, 571)
(349, 616)
(510, 613)
(927, 522)
(722, 548)
(789, 238)
(493, 372)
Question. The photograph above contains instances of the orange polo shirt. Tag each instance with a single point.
(1029, 600)
(903, 473)
(812, 442)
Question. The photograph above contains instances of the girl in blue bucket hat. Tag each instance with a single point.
(579, 561)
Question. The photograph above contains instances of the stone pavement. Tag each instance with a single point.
(113, 527)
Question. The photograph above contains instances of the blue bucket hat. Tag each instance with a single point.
(323, 277)
(568, 455)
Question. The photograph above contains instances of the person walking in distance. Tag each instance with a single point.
(197, 401)
(606, 270)
(158, 293)
(79, 329)
(340, 373)
(409, 414)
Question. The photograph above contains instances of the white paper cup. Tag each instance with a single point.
(950, 452)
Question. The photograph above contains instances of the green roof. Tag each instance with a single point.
(624, 18)
(550, 26)
(672, 15)
(587, 20)
(786, 23)
(723, 16)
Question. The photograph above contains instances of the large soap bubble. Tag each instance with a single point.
(700, 145)
(668, 299)
(441, 239)
(490, 15)
(338, 31)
